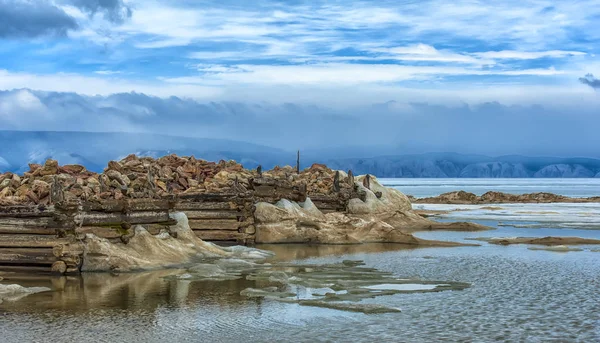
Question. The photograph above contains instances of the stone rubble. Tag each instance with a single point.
(145, 177)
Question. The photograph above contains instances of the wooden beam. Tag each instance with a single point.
(213, 214)
(214, 224)
(30, 241)
(219, 235)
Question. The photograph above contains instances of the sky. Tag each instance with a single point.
(492, 77)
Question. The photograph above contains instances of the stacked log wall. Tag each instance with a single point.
(48, 238)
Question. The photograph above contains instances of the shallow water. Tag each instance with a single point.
(516, 294)
(421, 188)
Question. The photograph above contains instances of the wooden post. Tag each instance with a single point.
(367, 181)
(259, 170)
(298, 162)
(336, 181)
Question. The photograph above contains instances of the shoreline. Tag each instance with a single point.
(493, 197)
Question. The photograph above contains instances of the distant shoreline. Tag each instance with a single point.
(462, 197)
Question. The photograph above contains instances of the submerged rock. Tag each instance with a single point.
(350, 307)
(557, 248)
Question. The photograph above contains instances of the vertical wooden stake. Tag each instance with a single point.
(298, 162)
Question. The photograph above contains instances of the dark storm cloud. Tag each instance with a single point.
(591, 81)
(27, 19)
(489, 128)
(113, 10)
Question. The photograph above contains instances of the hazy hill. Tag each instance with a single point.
(94, 150)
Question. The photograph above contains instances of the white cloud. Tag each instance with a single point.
(92, 85)
(527, 55)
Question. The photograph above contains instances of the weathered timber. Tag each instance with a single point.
(126, 205)
(100, 218)
(213, 214)
(205, 205)
(220, 235)
(26, 211)
(36, 221)
(13, 229)
(100, 231)
(30, 241)
(27, 256)
(27, 269)
(214, 224)
(208, 196)
(59, 267)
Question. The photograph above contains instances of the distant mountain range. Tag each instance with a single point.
(94, 150)
(452, 165)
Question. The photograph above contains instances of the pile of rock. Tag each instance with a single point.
(146, 177)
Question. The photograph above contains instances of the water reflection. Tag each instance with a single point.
(153, 289)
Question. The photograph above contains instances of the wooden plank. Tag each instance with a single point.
(148, 205)
(26, 211)
(219, 235)
(212, 214)
(214, 224)
(212, 205)
(30, 241)
(35, 222)
(27, 256)
(22, 269)
(100, 218)
(220, 197)
(11, 229)
(102, 232)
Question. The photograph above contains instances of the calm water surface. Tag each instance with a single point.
(517, 295)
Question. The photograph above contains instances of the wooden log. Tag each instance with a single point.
(212, 205)
(30, 241)
(212, 214)
(111, 205)
(59, 267)
(214, 224)
(208, 197)
(147, 205)
(100, 218)
(100, 231)
(219, 235)
(10, 229)
(35, 222)
(11, 268)
(68, 249)
(26, 211)
(27, 256)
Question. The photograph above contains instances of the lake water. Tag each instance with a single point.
(421, 188)
(516, 294)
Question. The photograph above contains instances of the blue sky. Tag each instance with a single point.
(342, 56)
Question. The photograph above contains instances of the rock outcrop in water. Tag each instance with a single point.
(549, 241)
(385, 215)
(462, 197)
